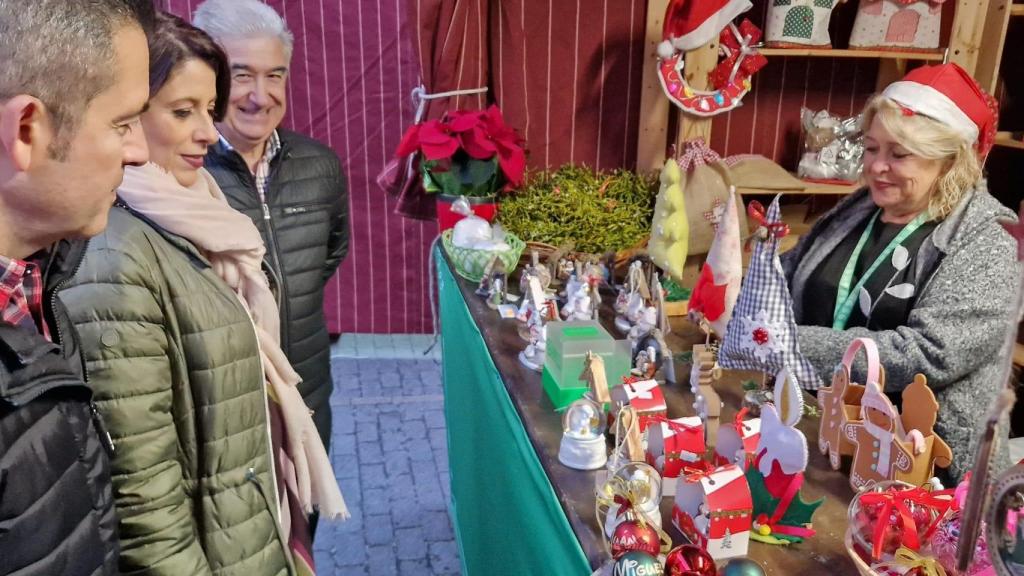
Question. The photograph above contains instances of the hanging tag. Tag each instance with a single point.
(643, 288)
(634, 446)
(536, 294)
(595, 374)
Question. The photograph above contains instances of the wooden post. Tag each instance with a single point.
(704, 359)
(990, 54)
(965, 40)
(699, 63)
(653, 137)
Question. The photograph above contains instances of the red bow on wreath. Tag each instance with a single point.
(742, 60)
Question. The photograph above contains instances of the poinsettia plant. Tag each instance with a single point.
(470, 153)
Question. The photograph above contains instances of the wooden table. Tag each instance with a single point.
(824, 553)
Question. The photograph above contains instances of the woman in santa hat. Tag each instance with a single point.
(916, 259)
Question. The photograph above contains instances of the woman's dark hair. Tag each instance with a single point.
(175, 41)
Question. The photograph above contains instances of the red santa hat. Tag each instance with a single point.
(948, 94)
(690, 24)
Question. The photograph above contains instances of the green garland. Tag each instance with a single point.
(598, 211)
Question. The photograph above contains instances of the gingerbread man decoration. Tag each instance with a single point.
(840, 403)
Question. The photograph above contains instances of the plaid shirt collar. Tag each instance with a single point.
(21, 295)
(262, 172)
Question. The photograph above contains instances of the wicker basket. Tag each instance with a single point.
(863, 567)
(470, 263)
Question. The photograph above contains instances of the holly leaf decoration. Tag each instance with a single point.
(799, 512)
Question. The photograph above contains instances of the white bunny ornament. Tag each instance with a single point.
(782, 515)
(780, 440)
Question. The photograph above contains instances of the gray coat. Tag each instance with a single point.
(966, 272)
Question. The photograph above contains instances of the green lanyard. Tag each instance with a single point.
(847, 297)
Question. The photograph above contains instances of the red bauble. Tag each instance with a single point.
(688, 560)
(632, 535)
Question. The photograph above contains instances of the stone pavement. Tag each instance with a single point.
(390, 454)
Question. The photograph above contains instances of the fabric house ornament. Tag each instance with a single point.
(897, 25)
(948, 94)
(799, 23)
(762, 332)
(714, 510)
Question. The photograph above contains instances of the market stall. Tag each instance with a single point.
(515, 506)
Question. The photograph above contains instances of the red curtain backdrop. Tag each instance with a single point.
(567, 74)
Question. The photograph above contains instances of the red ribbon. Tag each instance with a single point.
(756, 211)
(897, 500)
(625, 504)
(697, 153)
(677, 427)
(738, 422)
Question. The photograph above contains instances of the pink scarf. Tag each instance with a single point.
(231, 242)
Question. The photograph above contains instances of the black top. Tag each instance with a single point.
(892, 291)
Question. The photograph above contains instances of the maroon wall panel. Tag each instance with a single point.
(567, 74)
(352, 71)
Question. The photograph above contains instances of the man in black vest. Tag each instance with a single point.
(290, 185)
(68, 126)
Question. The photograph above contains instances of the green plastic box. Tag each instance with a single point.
(567, 347)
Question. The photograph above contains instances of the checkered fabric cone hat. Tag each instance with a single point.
(690, 24)
(948, 94)
(762, 333)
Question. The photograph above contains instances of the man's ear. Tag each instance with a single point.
(24, 129)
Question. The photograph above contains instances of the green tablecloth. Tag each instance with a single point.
(506, 515)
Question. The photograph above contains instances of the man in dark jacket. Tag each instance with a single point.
(290, 185)
(68, 126)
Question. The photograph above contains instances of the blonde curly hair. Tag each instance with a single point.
(930, 139)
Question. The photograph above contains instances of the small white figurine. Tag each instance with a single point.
(533, 356)
(578, 307)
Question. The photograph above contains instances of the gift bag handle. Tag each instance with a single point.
(871, 353)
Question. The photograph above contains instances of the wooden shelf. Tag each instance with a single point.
(842, 53)
(811, 189)
(1017, 10)
(1007, 140)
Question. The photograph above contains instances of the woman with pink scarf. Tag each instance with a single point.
(216, 461)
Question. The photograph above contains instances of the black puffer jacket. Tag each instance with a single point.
(56, 504)
(305, 227)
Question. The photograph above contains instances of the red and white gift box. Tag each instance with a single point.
(714, 509)
(737, 444)
(644, 396)
(673, 445)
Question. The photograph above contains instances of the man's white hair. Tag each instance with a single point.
(224, 19)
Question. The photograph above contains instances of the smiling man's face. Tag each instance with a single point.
(259, 69)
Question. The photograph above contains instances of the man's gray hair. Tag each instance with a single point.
(224, 19)
(60, 51)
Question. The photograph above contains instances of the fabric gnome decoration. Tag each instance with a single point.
(714, 295)
(762, 332)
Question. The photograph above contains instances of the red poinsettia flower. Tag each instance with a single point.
(481, 134)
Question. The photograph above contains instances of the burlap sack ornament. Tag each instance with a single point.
(705, 182)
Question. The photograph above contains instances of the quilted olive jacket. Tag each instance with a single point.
(173, 361)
